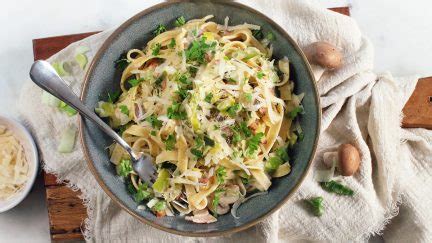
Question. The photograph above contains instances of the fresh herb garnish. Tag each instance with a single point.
(134, 82)
(245, 129)
(67, 109)
(282, 153)
(155, 49)
(270, 36)
(197, 153)
(122, 62)
(316, 205)
(192, 70)
(143, 192)
(159, 80)
(220, 174)
(175, 112)
(124, 168)
(258, 34)
(240, 132)
(336, 187)
(248, 97)
(252, 143)
(153, 133)
(160, 29)
(233, 110)
(208, 98)
(197, 50)
(208, 141)
(159, 206)
(113, 96)
(183, 79)
(154, 122)
(260, 74)
(294, 113)
(217, 194)
(172, 43)
(231, 80)
(170, 142)
(180, 21)
(124, 109)
(182, 93)
(122, 128)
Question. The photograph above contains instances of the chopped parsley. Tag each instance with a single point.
(260, 74)
(175, 112)
(124, 110)
(159, 29)
(336, 187)
(220, 174)
(172, 43)
(113, 96)
(197, 153)
(240, 132)
(154, 122)
(155, 49)
(122, 62)
(183, 79)
(170, 142)
(252, 143)
(270, 36)
(159, 80)
(258, 34)
(316, 205)
(273, 163)
(159, 206)
(208, 141)
(282, 153)
(294, 113)
(231, 80)
(153, 133)
(197, 50)
(217, 194)
(233, 110)
(182, 93)
(248, 97)
(180, 21)
(208, 98)
(124, 168)
(134, 82)
(67, 109)
(143, 193)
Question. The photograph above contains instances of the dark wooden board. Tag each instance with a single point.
(65, 210)
(418, 110)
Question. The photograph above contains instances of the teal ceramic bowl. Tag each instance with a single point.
(135, 33)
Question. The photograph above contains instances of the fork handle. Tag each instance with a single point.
(44, 75)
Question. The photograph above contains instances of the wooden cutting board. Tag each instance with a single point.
(66, 211)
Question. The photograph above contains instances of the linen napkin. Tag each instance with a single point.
(359, 107)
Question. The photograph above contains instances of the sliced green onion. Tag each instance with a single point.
(49, 99)
(67, 109)
(161, 182)
(81, 59)
(67, 140)
(60, 68)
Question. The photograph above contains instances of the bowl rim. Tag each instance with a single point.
(17, 199)
(93, 170)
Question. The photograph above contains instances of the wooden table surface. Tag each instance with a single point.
(66, 211)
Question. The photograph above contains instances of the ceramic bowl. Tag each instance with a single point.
(135, 33)
(30, 149)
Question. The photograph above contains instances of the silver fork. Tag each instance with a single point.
(44, 75)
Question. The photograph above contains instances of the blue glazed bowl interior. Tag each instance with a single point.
(103, 77)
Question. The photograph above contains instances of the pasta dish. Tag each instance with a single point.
(214, 111)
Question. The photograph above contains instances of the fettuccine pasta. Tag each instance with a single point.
(212, 108)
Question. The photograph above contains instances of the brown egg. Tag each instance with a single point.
(349, 159)
(324, 54)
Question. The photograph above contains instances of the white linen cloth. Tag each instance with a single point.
(359, 107)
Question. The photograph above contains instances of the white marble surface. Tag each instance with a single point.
(400, 30)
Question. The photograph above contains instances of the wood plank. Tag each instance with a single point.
(66, 213)
(65, 210)
(44, 48)
(418, 110)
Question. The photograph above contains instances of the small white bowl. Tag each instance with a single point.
(30, 149)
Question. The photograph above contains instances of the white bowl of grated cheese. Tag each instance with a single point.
(18, 163)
